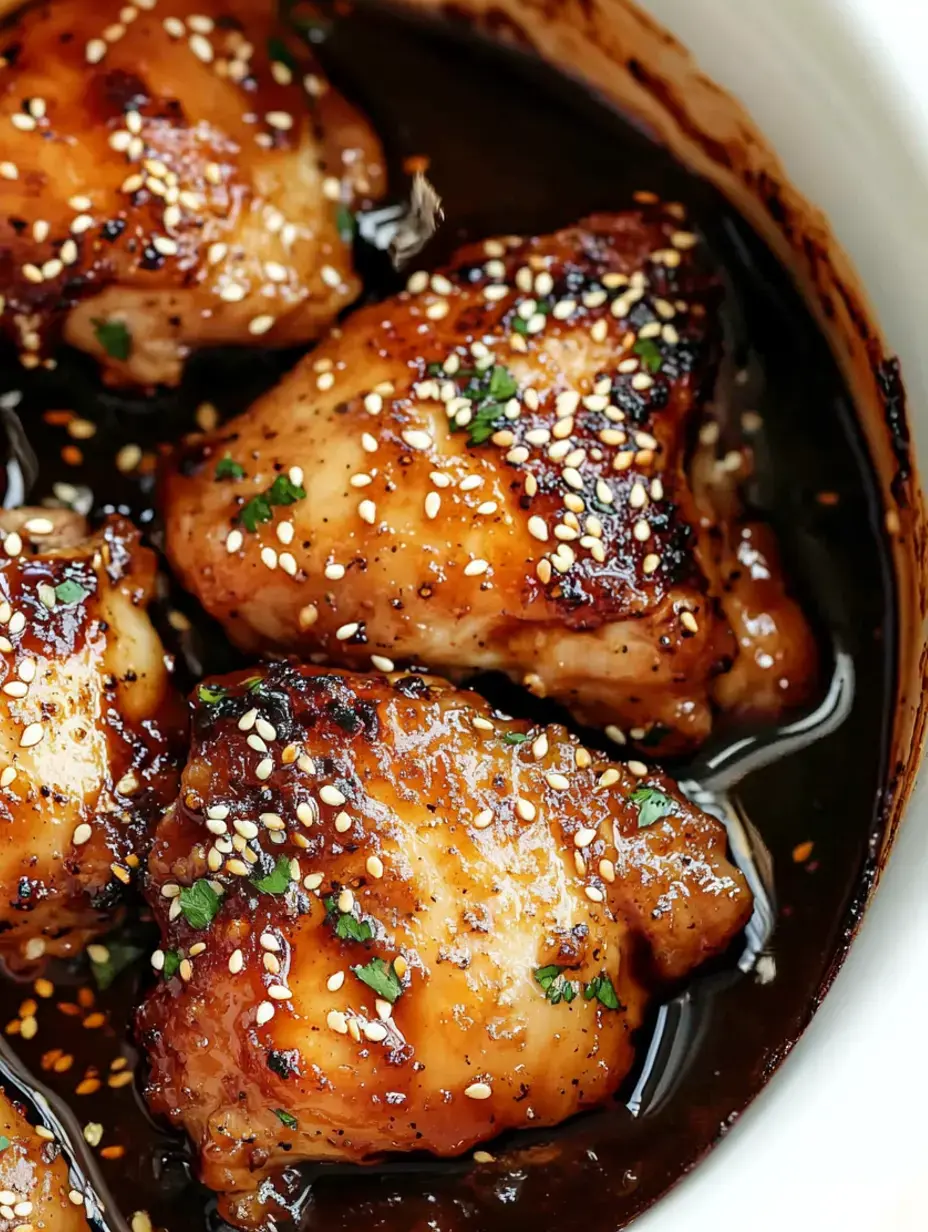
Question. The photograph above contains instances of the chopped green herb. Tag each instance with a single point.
(121, 955)
(276, 882)
(172, 961)
(199, 903)
(382, 977)
(515, 737)
(4, 1142)
(286, 1118)
(281, 492)
(228, 468)
(348, 926)
(277, 49)
(488, 392)
(70, 591)
(601, 987)
(211, 693)
(346, 222)
(555, 985)
(114, 337)
(650, 354)
(652, 805)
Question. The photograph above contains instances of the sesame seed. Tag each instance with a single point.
(282, 121)
(594, 894)
(384, 1009)
(232, 292)
(525, 809)
(367, 511)
(417, 282)
(374, 866)
(264, 768)
(334, 572)
(537, 528)
(584, 837)
(309, 614)
(261, 324)
(478, 1090)
(32, 734)
(651, 563)
(432, 504)
(607, 870)
(264, 1013)
(483, 819)
(279, 992)
(9, 171)
(331, 795)
(637, 768)
(416, 439)
(438, 310)
(475, 568)
(688, 621)
(201, 47)
(269, 557)
(342, 823)
(95, 51)
(557, 782)
(641, 530)
(81, 835)
(373, 404)
(345, 632)
(375, 1032)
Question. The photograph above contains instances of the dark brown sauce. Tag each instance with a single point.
(515, 148)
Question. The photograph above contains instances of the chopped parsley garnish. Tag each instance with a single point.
(70, 591)
(199, 903)
(259, 509)
(286, 1118)
(4, 1142)
(120, 956)
(381, 977)
(277, 881)
(346, 223)
(603, 990)
(649, 353)
(515, 737)
(172, 961)
(228, 468)
(555, 985)
(348, 926)
(114, 337)
(652, 805)
(211, 693)
(488, 392)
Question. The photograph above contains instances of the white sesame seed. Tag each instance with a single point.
(432, 505)
(584, 837)
(330, 276)
(261, 324)
(201, 47)
(475, 568)
(483, 819)
(373, 404)
(478, 1090)
(282, 121)
(81, 834)
(279, 992)
(416, 439)
(32, 734)
(331, 795)
(594, 894)
(538, 529)
(345, 632)
(557, 782)
(688, 620)
(264, 768)
(336, 1021)
(269, 558)
(375, 1032)
(637, 768)
(641, 530)
(417, 282)
(95, 51)
(525, 809)
(9, 171)
(232, 292)
(540, 747)
(367, 511)
(374, 866)
(264, 1013)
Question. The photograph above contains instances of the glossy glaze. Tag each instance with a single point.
(34, 1183)
(176, 176)
(91, 728)
(472, 850)
(551, 538)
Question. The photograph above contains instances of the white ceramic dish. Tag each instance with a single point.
(837, 1139)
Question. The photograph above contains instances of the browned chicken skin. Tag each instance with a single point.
(34, 1186)
(90, 727)
(166, 184)
(393, 919)
(494, 466)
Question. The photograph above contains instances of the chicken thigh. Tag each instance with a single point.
(172, 177)
(395, 920)
(35, 1192)
(90, 727)
(488, 472)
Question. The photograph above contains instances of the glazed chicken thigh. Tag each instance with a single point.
(489, 471)
(393, 919)
(90, 727)
(34, 1186)
(171, 177)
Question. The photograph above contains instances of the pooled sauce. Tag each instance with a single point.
(515, 148)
